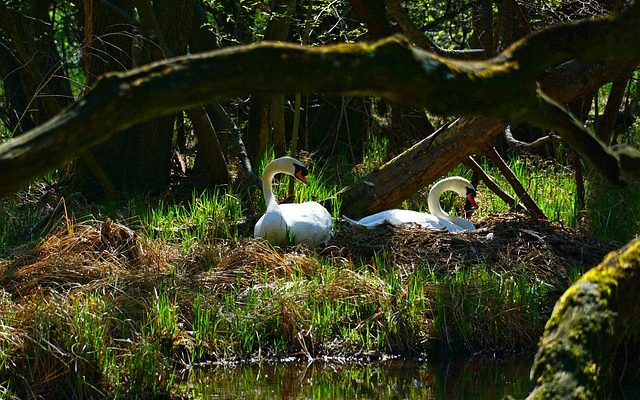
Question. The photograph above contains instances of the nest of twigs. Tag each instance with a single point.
(253, 261)
(547, 250)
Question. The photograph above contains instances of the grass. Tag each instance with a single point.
(208, 215)
(88, 314)
(552, 187)
(480, 308)
(127, 329)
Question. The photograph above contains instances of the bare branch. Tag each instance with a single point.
(493, 186)
(394, 8)
(519, 145)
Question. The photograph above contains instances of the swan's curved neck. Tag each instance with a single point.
(435, 193)
(434, 199)
(267, 179)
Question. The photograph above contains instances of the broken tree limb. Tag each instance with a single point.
(520, 146)
(532, 207)
(550, 114)
(586, 327)
(472, 164)
(502, 87)
(417, 166)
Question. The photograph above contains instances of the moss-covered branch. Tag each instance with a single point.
(586, 327)
(501, 87)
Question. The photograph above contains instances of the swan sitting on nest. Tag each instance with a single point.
(307, 223)
(438, 219)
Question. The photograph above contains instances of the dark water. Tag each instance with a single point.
(475, 378)
(483, 378)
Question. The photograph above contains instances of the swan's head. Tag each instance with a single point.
(290, 166)
(460, 185)
(471, 195)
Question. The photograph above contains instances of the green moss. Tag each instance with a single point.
(580, 337)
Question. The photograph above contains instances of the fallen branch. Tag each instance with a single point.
(533, 208)
(472, 164)
(520, 146)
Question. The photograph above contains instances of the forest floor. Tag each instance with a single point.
(131, 301)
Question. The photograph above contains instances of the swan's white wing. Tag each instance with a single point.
(309, 223)
(272, 227)
(464, 225)
(399, 217)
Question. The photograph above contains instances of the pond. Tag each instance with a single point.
(482, 378)
(474, 378)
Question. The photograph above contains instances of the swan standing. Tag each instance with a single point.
(438, 219)
(308, 223)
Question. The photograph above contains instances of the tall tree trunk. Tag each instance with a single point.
(138, 160)
(612, 109)
(14, 114)
(32, 68)
(266, 116)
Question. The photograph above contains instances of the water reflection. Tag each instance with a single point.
(475, 378)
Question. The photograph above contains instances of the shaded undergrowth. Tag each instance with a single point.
(98, 309)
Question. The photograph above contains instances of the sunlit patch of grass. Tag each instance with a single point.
(374, 154)
(550, 185)
(208, 215)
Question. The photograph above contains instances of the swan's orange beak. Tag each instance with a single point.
(472, 200)
(300, 175)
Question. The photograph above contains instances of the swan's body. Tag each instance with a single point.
(308, 223)
(438, 219)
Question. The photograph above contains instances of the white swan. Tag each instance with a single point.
(308, 223)
(438, 219)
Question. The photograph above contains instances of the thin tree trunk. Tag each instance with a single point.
(266, 116)
(513, 204)
(209, 146)
(611, 110)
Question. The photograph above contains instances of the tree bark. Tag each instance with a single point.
(266, 116)
(209, 145)
(612, 109)
(586, 327)
(139, 159)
